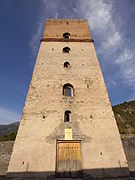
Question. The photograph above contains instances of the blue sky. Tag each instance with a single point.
(112, 26)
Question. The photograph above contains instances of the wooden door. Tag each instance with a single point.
(68, 159)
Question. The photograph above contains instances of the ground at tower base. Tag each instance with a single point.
(6, 150)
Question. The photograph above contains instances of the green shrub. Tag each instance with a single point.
(8, 137)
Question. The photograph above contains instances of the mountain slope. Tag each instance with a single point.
(125, 117)
(8, 132)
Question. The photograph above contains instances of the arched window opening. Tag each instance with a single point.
(66, 64)
(68, 90)
(66, 35)
(67, 116)
(66, 50)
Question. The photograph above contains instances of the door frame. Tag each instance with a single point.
(72, 141)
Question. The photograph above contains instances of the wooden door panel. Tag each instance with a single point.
(68, 158)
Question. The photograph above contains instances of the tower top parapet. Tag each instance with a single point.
(76, 29)
(70, 19)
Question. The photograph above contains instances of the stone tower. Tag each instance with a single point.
(67, 128)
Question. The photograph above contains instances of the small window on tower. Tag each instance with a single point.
(66, 50)
(66, 65)
(68, 90)
(67, 117)
(66, 35)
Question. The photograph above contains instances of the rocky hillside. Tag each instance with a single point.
(125, 117)
(8, 132)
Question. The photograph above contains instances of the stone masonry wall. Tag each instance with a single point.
(78, 29)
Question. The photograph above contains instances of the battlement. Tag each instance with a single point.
(77, 29)
(65, 20)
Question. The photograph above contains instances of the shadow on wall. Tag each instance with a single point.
(85, 174)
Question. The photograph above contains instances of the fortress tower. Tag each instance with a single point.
(67, 128)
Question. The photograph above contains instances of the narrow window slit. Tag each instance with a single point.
(66, 64)
(66, 35)
(67, 117)
(66, 50)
